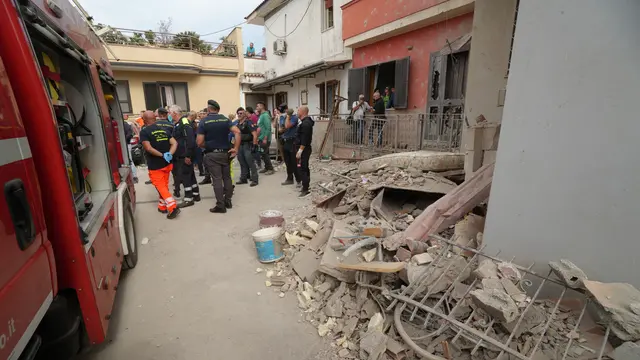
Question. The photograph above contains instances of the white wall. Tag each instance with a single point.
(293, 92)
(307, 44)
(567, 181)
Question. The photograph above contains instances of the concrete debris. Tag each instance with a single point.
(569, 273)
(496, 303)
(387, 203)
(369, 255)
(422, 259)
(144, 241)
(626, 351)
(487, 269)
(618, 303)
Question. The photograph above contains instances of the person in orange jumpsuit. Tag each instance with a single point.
(160, 147)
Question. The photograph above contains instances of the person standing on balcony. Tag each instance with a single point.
(264, 138)
(359, 109)
(263, 54)
(251, 51)
(377, 124)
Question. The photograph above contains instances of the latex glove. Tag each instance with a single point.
(299, 154)
(167, 157)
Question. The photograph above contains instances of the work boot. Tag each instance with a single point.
(185, 204)
(269, 172)
(205, 181)
(218, 210)
(253, 183)
(242, 182)
(304, 193)
(262, 171)
(162, 211)
(228, 204)
(287, 182)
(174, 213)
(176, 194)
(196, 198)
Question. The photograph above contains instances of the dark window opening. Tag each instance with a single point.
(281, 98)
(163, 94)
(392, 74)
(327, 98)
(456, 78)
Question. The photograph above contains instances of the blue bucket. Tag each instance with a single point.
(267, 245)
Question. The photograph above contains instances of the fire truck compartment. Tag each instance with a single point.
(82, 135)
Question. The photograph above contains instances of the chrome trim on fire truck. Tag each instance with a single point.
(14, 149)
(31, 329)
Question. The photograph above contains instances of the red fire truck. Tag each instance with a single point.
(67, 197)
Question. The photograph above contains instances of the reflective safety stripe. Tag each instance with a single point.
(15, 149)
(188, 199)
(187, 189)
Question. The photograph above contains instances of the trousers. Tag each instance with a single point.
(160, 180)
(289, 153)
(305, 172)
(264, 154)
(184, 174)
(248, 168)
(217, 164)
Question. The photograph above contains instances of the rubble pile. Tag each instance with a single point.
(347, 262)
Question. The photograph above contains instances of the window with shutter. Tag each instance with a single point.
(124, 96)
(402, 83)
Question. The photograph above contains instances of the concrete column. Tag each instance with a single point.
(487, 79)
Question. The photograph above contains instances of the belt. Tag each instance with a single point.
(216, 151)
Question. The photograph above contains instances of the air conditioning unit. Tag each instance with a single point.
(280, 47)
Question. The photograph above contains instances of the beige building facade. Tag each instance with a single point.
(149, 77)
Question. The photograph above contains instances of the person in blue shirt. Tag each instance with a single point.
(287, 130)
(251, 51)
(213, 136)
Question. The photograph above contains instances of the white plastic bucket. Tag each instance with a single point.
(267, 244)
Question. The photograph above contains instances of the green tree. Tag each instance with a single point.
(150, 36)
(112, 36)
(190, 40)
(137, 39)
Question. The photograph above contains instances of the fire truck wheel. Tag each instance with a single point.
(131, 259)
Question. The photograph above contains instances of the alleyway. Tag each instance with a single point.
(194, 295)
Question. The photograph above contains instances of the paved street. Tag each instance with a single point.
(193, 294)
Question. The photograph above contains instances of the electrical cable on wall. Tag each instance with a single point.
(295, 28)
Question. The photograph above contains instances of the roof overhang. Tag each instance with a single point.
(180, 69)
(263, 10)
(303, 72)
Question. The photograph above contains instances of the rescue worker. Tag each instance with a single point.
(287, 128)
(304, 136)
(213, 136)
(160, 147)
(248, 145)
(183, 172)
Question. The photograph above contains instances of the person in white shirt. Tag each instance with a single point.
(359, 109)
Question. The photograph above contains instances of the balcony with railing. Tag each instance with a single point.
(135, 50)
(370, 137)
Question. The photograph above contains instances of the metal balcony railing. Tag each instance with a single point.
(121, 36)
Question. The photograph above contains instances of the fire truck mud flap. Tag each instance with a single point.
(127, 228)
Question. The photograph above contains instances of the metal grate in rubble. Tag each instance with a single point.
(434, 304)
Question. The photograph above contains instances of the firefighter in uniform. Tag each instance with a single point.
(160, 147)
(183, 172)
(213, 136)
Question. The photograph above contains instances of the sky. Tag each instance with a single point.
(201, 16)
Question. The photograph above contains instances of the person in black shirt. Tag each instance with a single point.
(248, 145)
(304, 137)
(183, 171)
(213, 136)
(377, 124)
(160, 147)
